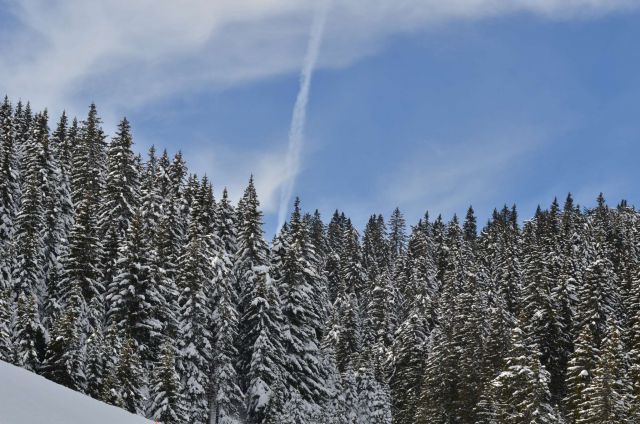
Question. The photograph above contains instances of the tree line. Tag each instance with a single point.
(126, 279)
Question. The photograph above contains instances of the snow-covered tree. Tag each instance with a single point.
(166, 404)
(520, 393)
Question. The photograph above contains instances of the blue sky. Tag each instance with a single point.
(422, 107)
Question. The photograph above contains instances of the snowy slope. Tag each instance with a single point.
(27, 398)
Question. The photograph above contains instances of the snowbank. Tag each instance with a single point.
(27, 398)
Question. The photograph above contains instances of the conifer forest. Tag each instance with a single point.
(123, 277)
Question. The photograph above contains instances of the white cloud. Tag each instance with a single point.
(127, 53)
(231, 169)
(446, 178)
(124, 54)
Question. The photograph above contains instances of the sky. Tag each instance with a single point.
(420, 104)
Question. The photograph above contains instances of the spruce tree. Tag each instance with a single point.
(28, 274)
(520, 393)
(227, 399)
(268, 357)
(119, 199)
(9, 192)
(130, 378)
(28, 334)
(397, 234)
(89, 159)
(299, 289)
(166, 401)
(252, 254)
(6, 319)
(132, 296)
(374, 403)
(82, 262)
(63, 361)
(409, 377)
(94, 363)
(606, 400)
(194, 363)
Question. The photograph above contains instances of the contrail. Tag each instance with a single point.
(298, 118)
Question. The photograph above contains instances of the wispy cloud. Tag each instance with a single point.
(232, 167)
(125, 54)
(445, 178)
(128, 53)
(299, 117)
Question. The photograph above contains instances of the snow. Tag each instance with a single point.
(29, 398)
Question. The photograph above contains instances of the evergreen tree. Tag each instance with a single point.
(606, 400)
(28, 334)
(82, 263)
(130, 378)
(63, 359)
(123, 381)
(6, 319)
(252, 254)
(227, 398)
(268, 355)
(470, 227)
(9, 192)
(374, 403)
(166, 402)
(397, 234)
(94, 363)
(298, 285)
(520, 394)
(132, 296)
(119, 199)
(28, 273)
(89, 159)
(194, 345)
(409, 372)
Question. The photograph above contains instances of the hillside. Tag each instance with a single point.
(28, 398)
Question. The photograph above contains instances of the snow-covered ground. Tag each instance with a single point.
(27, 398)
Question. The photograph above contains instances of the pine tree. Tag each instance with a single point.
(9, 192)
(6, 319)
(299, 289)
(119, 199)
(130, 378)
(94, 363)
(606, 400)
(408, 373)
(23, 125)
(227, 398)
(541, 325)
(63, 359)
(397, 234)
(28, 334)
(252, 255)
(374, 403)
(82, 263)
(268, 355)
(194, 345)
(123, 379)
(375, 255)
(580, 371)
(520, 393)
(28, 275)
(132, 296)
(381, 310)
(470, 228)
(166, 402)
(89, 159)
(350, 395)
(226, 225)
(346, 331)
(634, 344)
